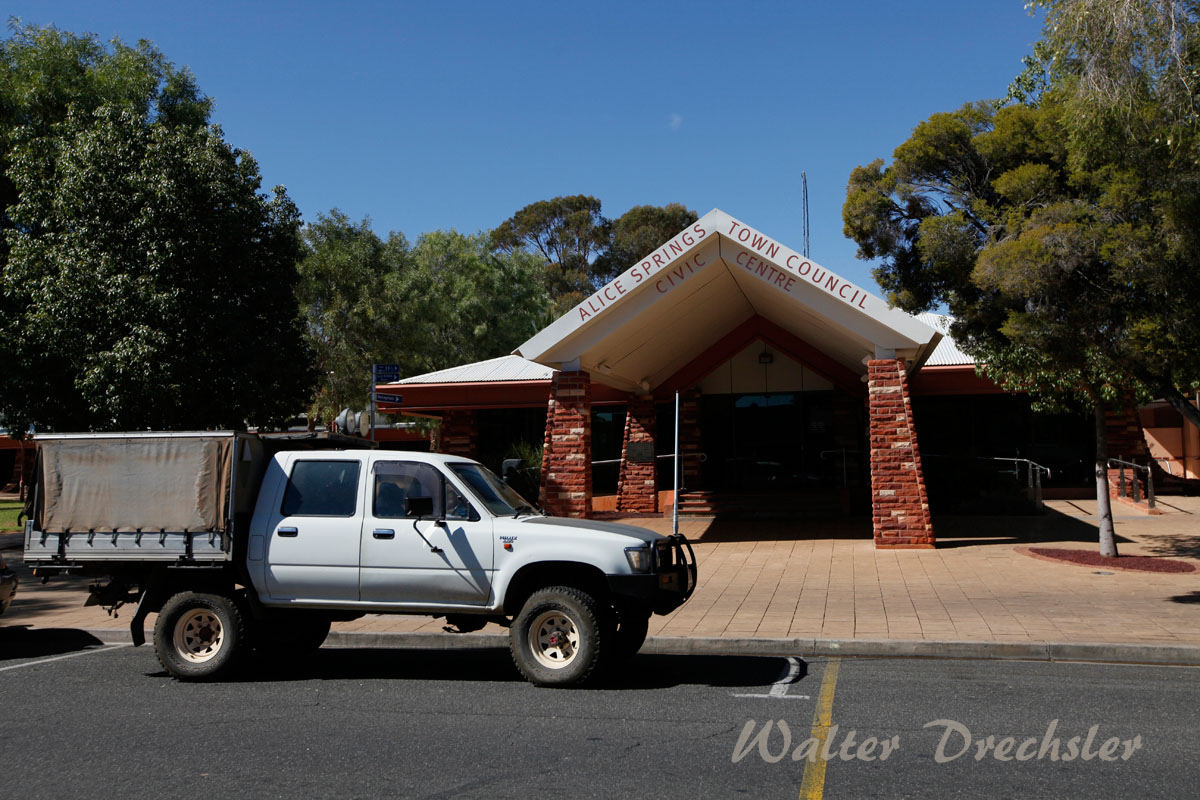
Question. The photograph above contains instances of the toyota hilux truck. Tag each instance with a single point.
(246, 544)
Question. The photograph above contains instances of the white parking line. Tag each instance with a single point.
(60, 658)
(779, 689)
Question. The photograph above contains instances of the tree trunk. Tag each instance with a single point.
(1108, 539)
(1179, 402)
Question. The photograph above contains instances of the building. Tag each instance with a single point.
(794, 383)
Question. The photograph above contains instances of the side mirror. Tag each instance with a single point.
(419, 507)
(508, 468)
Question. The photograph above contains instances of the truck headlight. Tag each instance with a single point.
(638, 558)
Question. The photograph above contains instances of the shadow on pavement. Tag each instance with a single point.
(494, 665)
(20, 641)
(1190, 597)
(1052, 526)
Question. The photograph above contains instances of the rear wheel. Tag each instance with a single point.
(199, 637)
(556, 637)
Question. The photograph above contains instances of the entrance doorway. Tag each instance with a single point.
(780, 442)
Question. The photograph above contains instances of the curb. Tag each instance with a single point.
(1100, 652)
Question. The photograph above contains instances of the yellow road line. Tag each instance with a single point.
(812, 785)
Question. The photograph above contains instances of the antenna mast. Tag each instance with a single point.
(804, 191)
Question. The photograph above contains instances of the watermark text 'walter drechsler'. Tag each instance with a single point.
(774, 743)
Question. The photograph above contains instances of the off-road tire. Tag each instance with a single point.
(557, 638)
(200, 637)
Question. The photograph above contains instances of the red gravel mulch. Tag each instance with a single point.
(1091, 558)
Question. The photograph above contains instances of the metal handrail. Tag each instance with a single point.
(703, 458)
(1135, 486)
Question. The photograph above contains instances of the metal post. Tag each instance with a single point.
(1137, 486)
(1121, 484)
(1150, 487)
(678, 469)
(1038, 489)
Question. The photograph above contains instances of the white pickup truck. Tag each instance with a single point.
(247, 544)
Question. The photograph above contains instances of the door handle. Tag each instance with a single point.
(383, 533)
(288, 532)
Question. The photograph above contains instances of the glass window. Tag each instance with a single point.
(457, 505)
(322, 489)
(396, 481)
(494, 493)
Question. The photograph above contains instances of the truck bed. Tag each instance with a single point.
(140, 496)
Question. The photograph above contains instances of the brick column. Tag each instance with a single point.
(567, 448)
(637, 489)
(459, 434)
(689, 438)
(899, 504)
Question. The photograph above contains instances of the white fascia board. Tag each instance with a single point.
(850, 304)
(844, 296)
(632, 281)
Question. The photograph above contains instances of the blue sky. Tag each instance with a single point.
(438, 115)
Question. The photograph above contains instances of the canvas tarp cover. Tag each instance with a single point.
(135, 483)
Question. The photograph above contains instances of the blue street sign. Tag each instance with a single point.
(383, 397)
(387, 373)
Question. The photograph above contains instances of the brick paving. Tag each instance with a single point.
(825, 579)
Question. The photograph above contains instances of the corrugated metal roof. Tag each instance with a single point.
(504, 368)
(946, 353)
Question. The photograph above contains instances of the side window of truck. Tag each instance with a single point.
(396, 481)
(321, 489)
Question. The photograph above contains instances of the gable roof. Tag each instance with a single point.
(661, 313)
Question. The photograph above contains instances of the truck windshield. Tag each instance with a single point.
(494, 493)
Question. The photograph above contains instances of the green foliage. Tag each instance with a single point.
(568, 233)
(146, 281)
(471, 303)
(1055, 273)
(579, 248)
(447, 300)
(348, 295)
(638, 232)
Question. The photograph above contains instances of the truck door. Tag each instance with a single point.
(314, 531)
(406, 562)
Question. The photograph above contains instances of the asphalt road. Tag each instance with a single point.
(102, 721)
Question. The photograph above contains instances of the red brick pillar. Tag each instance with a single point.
(459, 434)
(899, 504)
(689, 438)
(637, 490)
(567, 448)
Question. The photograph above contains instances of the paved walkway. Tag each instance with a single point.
(825, 580)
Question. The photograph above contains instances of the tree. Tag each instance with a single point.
(146, 281)
(349, 300)
(638, 232)
(1127, 75)
(981, 210)
(1062, 230)
(447, 300)
(468, 303)
(569, 233)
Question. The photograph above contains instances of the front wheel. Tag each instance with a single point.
(199, 637)
(556, 637)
